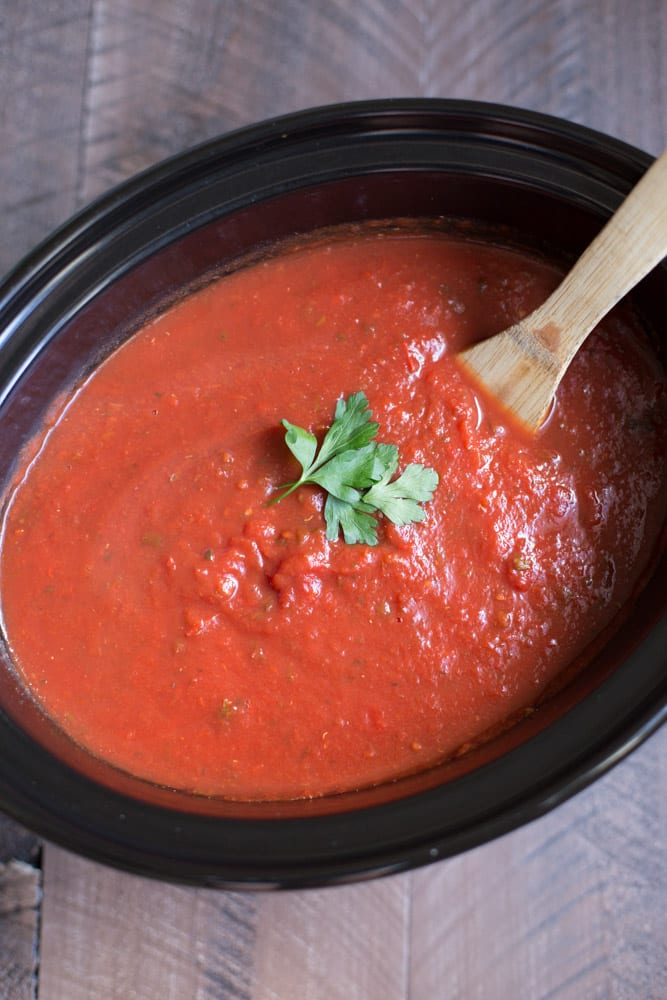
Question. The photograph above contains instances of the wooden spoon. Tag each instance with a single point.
(523, 365)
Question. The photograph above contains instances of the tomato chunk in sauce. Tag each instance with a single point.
(179, 627)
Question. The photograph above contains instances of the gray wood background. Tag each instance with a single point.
(572, 906)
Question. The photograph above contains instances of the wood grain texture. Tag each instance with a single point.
(20, 895)
(17, 843)
(597, 62)
(94, 90)
(208, 67)
(113, 936)
(343, 943)
(570, 907)
(42, 78)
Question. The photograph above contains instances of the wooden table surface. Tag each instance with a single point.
(572, 906)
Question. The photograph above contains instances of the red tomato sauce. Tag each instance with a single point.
(177, 626)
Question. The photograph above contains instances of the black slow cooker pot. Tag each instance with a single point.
(141, 246)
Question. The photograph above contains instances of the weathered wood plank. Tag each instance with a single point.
(628, 830)
(571, 906)
(17, 843)
(112, 935)
(343, 943)
(43, 56)
(19, 914)
(166, 76)
(600, 63)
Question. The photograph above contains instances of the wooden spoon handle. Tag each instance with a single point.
(523, 365)
(630, 245)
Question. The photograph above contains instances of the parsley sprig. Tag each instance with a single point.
(356, 471)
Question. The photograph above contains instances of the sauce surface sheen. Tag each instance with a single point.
(180, 628)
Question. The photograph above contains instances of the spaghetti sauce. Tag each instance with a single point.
(177, 626)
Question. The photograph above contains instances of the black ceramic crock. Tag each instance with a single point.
(87, 287)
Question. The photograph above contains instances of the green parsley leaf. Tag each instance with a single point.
(399, 500)
(351, 430)
(301, 443)
(347, 473)
(355, 521)
(356, 472)
(352, 427)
